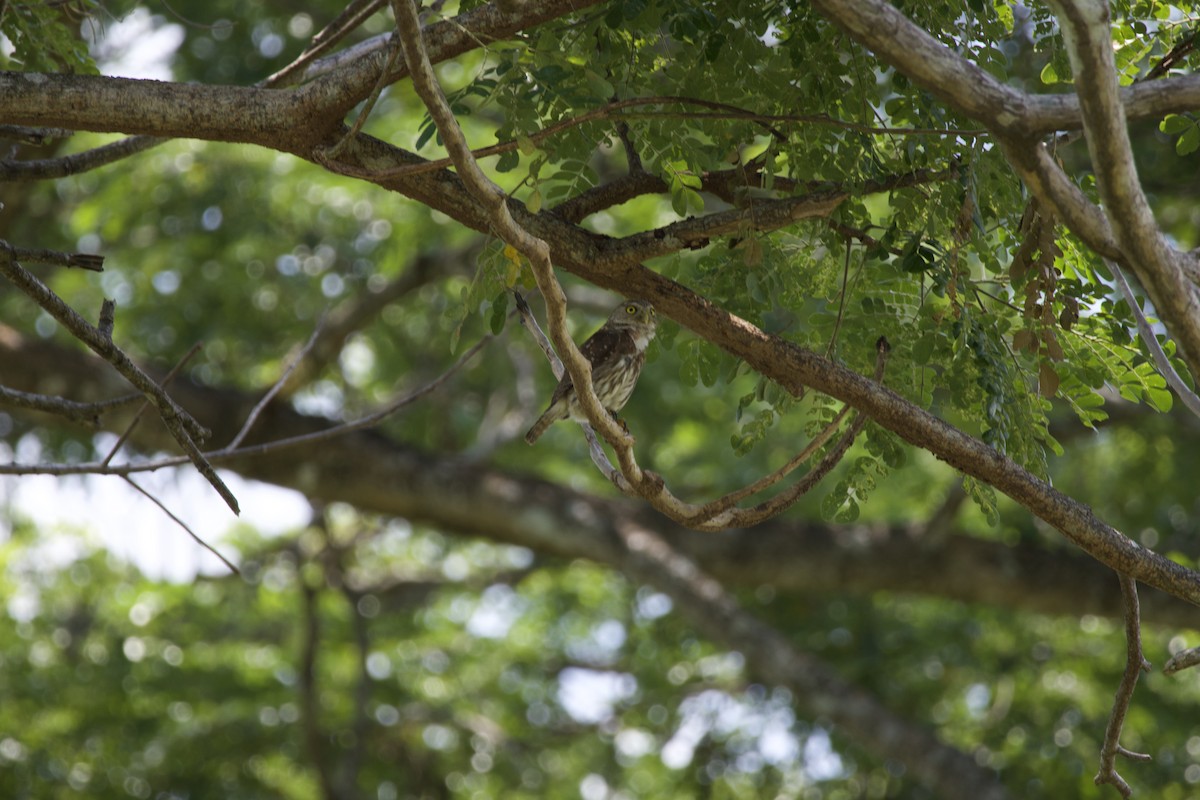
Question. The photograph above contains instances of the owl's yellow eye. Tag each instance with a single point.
(630, 309)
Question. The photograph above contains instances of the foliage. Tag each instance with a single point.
(523, 683)
(1001, 321)
(41, 37)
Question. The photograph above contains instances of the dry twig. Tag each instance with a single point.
(182, 524)
(183, 426)
(1182, 660)
(86, 413)
(88, 261)
(166, 381)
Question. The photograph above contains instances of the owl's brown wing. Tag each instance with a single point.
(603, 344)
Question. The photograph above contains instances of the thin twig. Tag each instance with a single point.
(380, 83)
(183, 525)
(368, 421)
(842, 299)
(1182, 660)
(1189, 398)
(270, 395)
(351, 17)
(745, 518)
(1135, 663)
(166, 381)
(87, 413)
(722, 504)
(76, 163)
(88, 261)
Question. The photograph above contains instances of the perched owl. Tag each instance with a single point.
(616, 353)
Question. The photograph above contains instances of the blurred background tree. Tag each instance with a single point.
(461, 624)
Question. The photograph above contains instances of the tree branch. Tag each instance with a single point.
(86, 413)
(1165, 368)
(76, 163)
(181, 424)
(1159, 266)
(1135, 663)
(494, 203)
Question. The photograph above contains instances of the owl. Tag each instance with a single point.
(616, 353)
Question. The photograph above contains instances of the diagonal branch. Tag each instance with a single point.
(181, 424)
(1165, 368)
(1159, 266)
(495, 205)
(195, 537)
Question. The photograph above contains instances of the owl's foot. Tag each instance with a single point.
(621, 422)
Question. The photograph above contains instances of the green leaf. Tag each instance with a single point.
(499, 313)
(507, 162)
(923, 348)
(534, 202)
(426, 132)
(708, 363)
(1188, 141)
(1174, 124)
(689, 363)
(1160, 399)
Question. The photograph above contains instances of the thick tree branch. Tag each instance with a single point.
(292, 120)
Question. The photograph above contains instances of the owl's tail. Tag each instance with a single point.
(552, 415)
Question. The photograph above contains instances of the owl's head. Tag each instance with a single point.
(637, 315)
